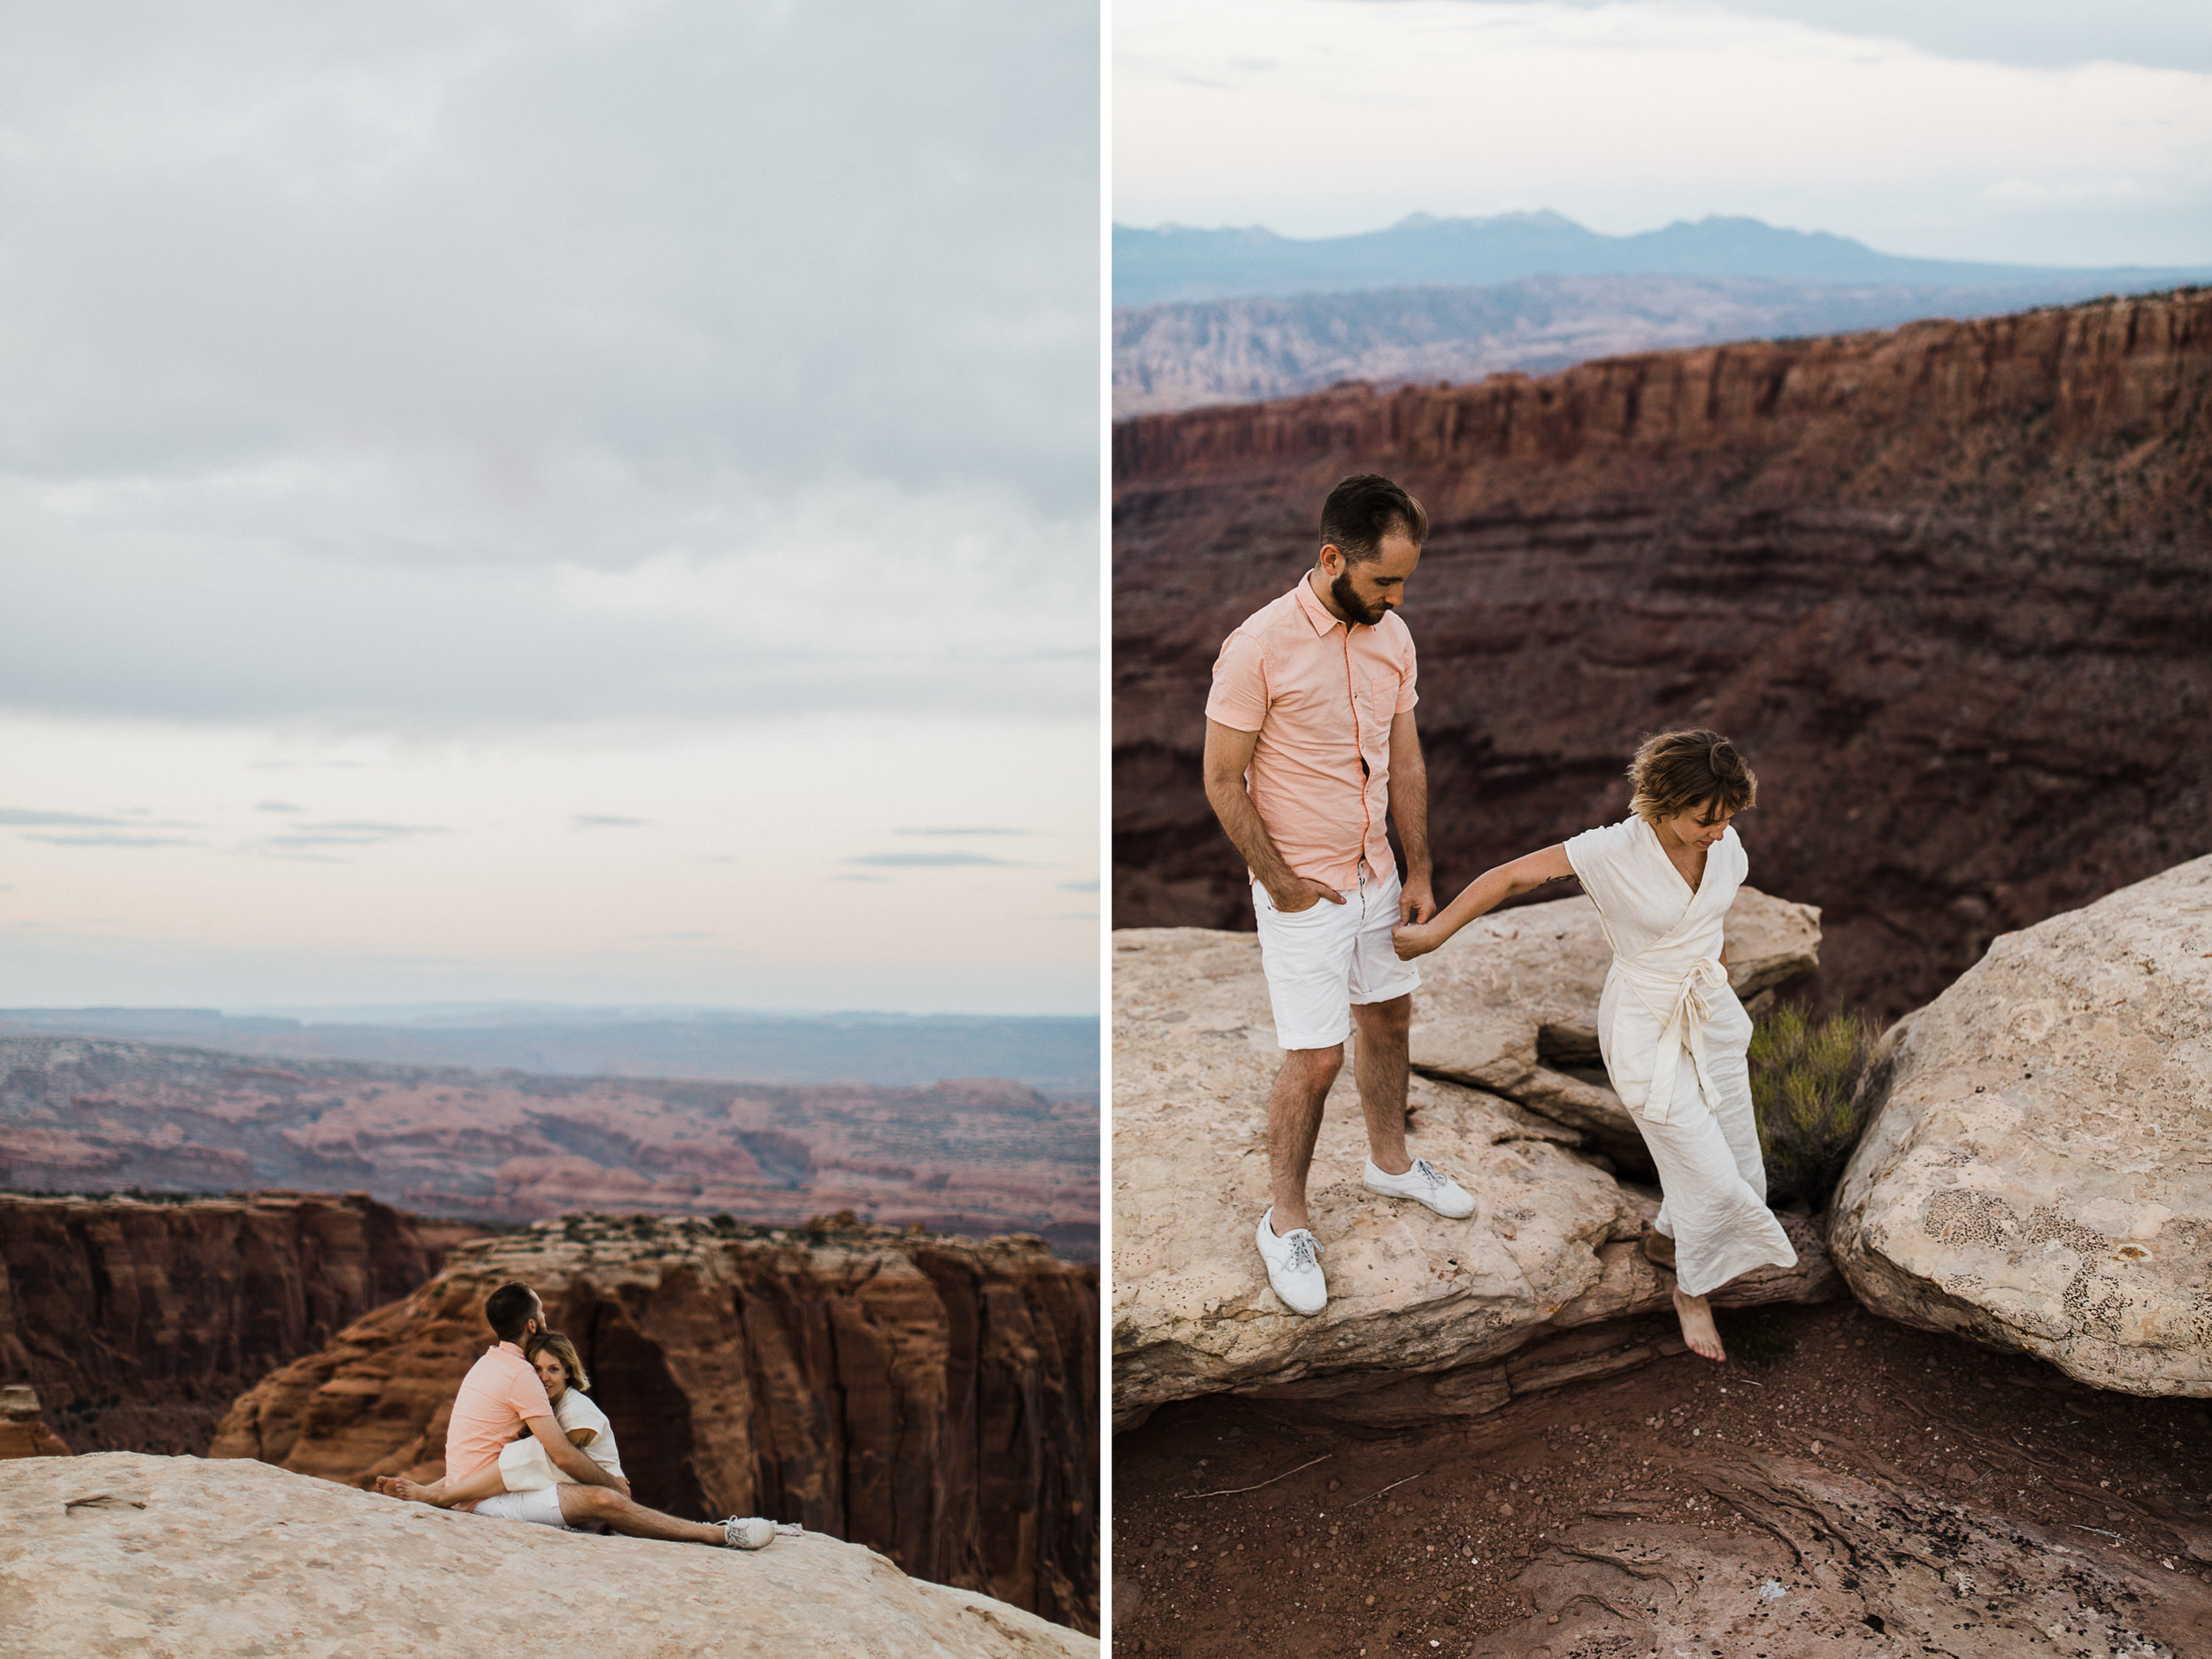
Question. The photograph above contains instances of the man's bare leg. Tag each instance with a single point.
(486, 1483)
(634, 1520)
(1698, 1329)
(1379, 1065)
(1293, 1123)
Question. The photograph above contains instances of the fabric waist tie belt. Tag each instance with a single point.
(1681, 997)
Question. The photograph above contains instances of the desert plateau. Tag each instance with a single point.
(975, 1156)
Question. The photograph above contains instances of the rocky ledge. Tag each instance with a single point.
(933, 1398)
(121, 1553)
(2036, 1177)
(1426, 1317)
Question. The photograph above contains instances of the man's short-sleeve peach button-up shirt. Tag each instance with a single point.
(1321, 695)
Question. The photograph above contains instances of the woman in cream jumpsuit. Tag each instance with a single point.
(1672, 1032)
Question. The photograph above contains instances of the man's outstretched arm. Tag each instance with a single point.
(1228, 752)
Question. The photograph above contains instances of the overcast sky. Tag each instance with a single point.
(2010, 130)
(590, 500)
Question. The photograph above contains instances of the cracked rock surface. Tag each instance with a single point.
(2037, 1178)
(1423, 1311)
(1834, 1562)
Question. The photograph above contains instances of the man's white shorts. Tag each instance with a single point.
(1322, 960)
(542, 1506)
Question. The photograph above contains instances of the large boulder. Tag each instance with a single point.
(2040, 1175)
(120, 1554)
(1511, 1004)
(1423, 1311)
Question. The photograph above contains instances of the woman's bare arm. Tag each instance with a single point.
(1483, 895)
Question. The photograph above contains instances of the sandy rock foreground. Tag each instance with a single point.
(2039, 1177)
(120, 1554)
(1426, 1317)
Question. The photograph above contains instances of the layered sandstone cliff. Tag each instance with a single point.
(933, 1398)
(139, 1323)
(1950, 586)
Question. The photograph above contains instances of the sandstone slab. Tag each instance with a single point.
(1510, 1004)
(1422, 1311)
(126, 1554)
(2039, 1176)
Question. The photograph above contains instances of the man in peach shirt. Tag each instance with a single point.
(501, 1396)
(1310, 747)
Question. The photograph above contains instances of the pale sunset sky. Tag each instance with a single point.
(2045, 132)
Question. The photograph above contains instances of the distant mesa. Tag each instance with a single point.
(1240, 316)
(975, 1156)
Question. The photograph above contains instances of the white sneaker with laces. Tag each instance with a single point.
(1424, 1184)
(1293, 1266)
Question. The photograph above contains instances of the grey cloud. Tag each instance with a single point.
(137, 818)
(929, 861)
(2037, 33)
(600, 820)
(854, 878)
(21, 816)
(114, 838)
(277, 806)
(349, 833)
(338, 341)
(1079, 887)
(982, 830)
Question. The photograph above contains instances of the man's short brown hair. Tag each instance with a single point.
(1676, 770)
(509, 1309)
(1364, 509)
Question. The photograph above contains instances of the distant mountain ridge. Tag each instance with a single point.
(1175, 262)
(1057, 1054)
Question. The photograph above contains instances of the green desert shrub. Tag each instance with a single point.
(1812, 1083)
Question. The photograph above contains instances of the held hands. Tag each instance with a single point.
(1302, 895)
(1417, 939)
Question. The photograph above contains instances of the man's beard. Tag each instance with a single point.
(1351, 604)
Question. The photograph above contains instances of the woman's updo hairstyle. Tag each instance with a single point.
(1676, 770)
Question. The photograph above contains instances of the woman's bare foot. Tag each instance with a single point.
(1698, 1329)
(398, 1487)
(1658, 1249)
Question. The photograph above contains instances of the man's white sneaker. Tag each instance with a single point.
(1293, 1266)
(749, 1532)
(1426, 1184)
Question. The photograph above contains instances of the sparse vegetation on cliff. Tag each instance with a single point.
(1809, 1086)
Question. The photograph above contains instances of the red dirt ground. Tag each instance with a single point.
(1409, 1543)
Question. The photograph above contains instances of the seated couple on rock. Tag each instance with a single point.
(524, 1443)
